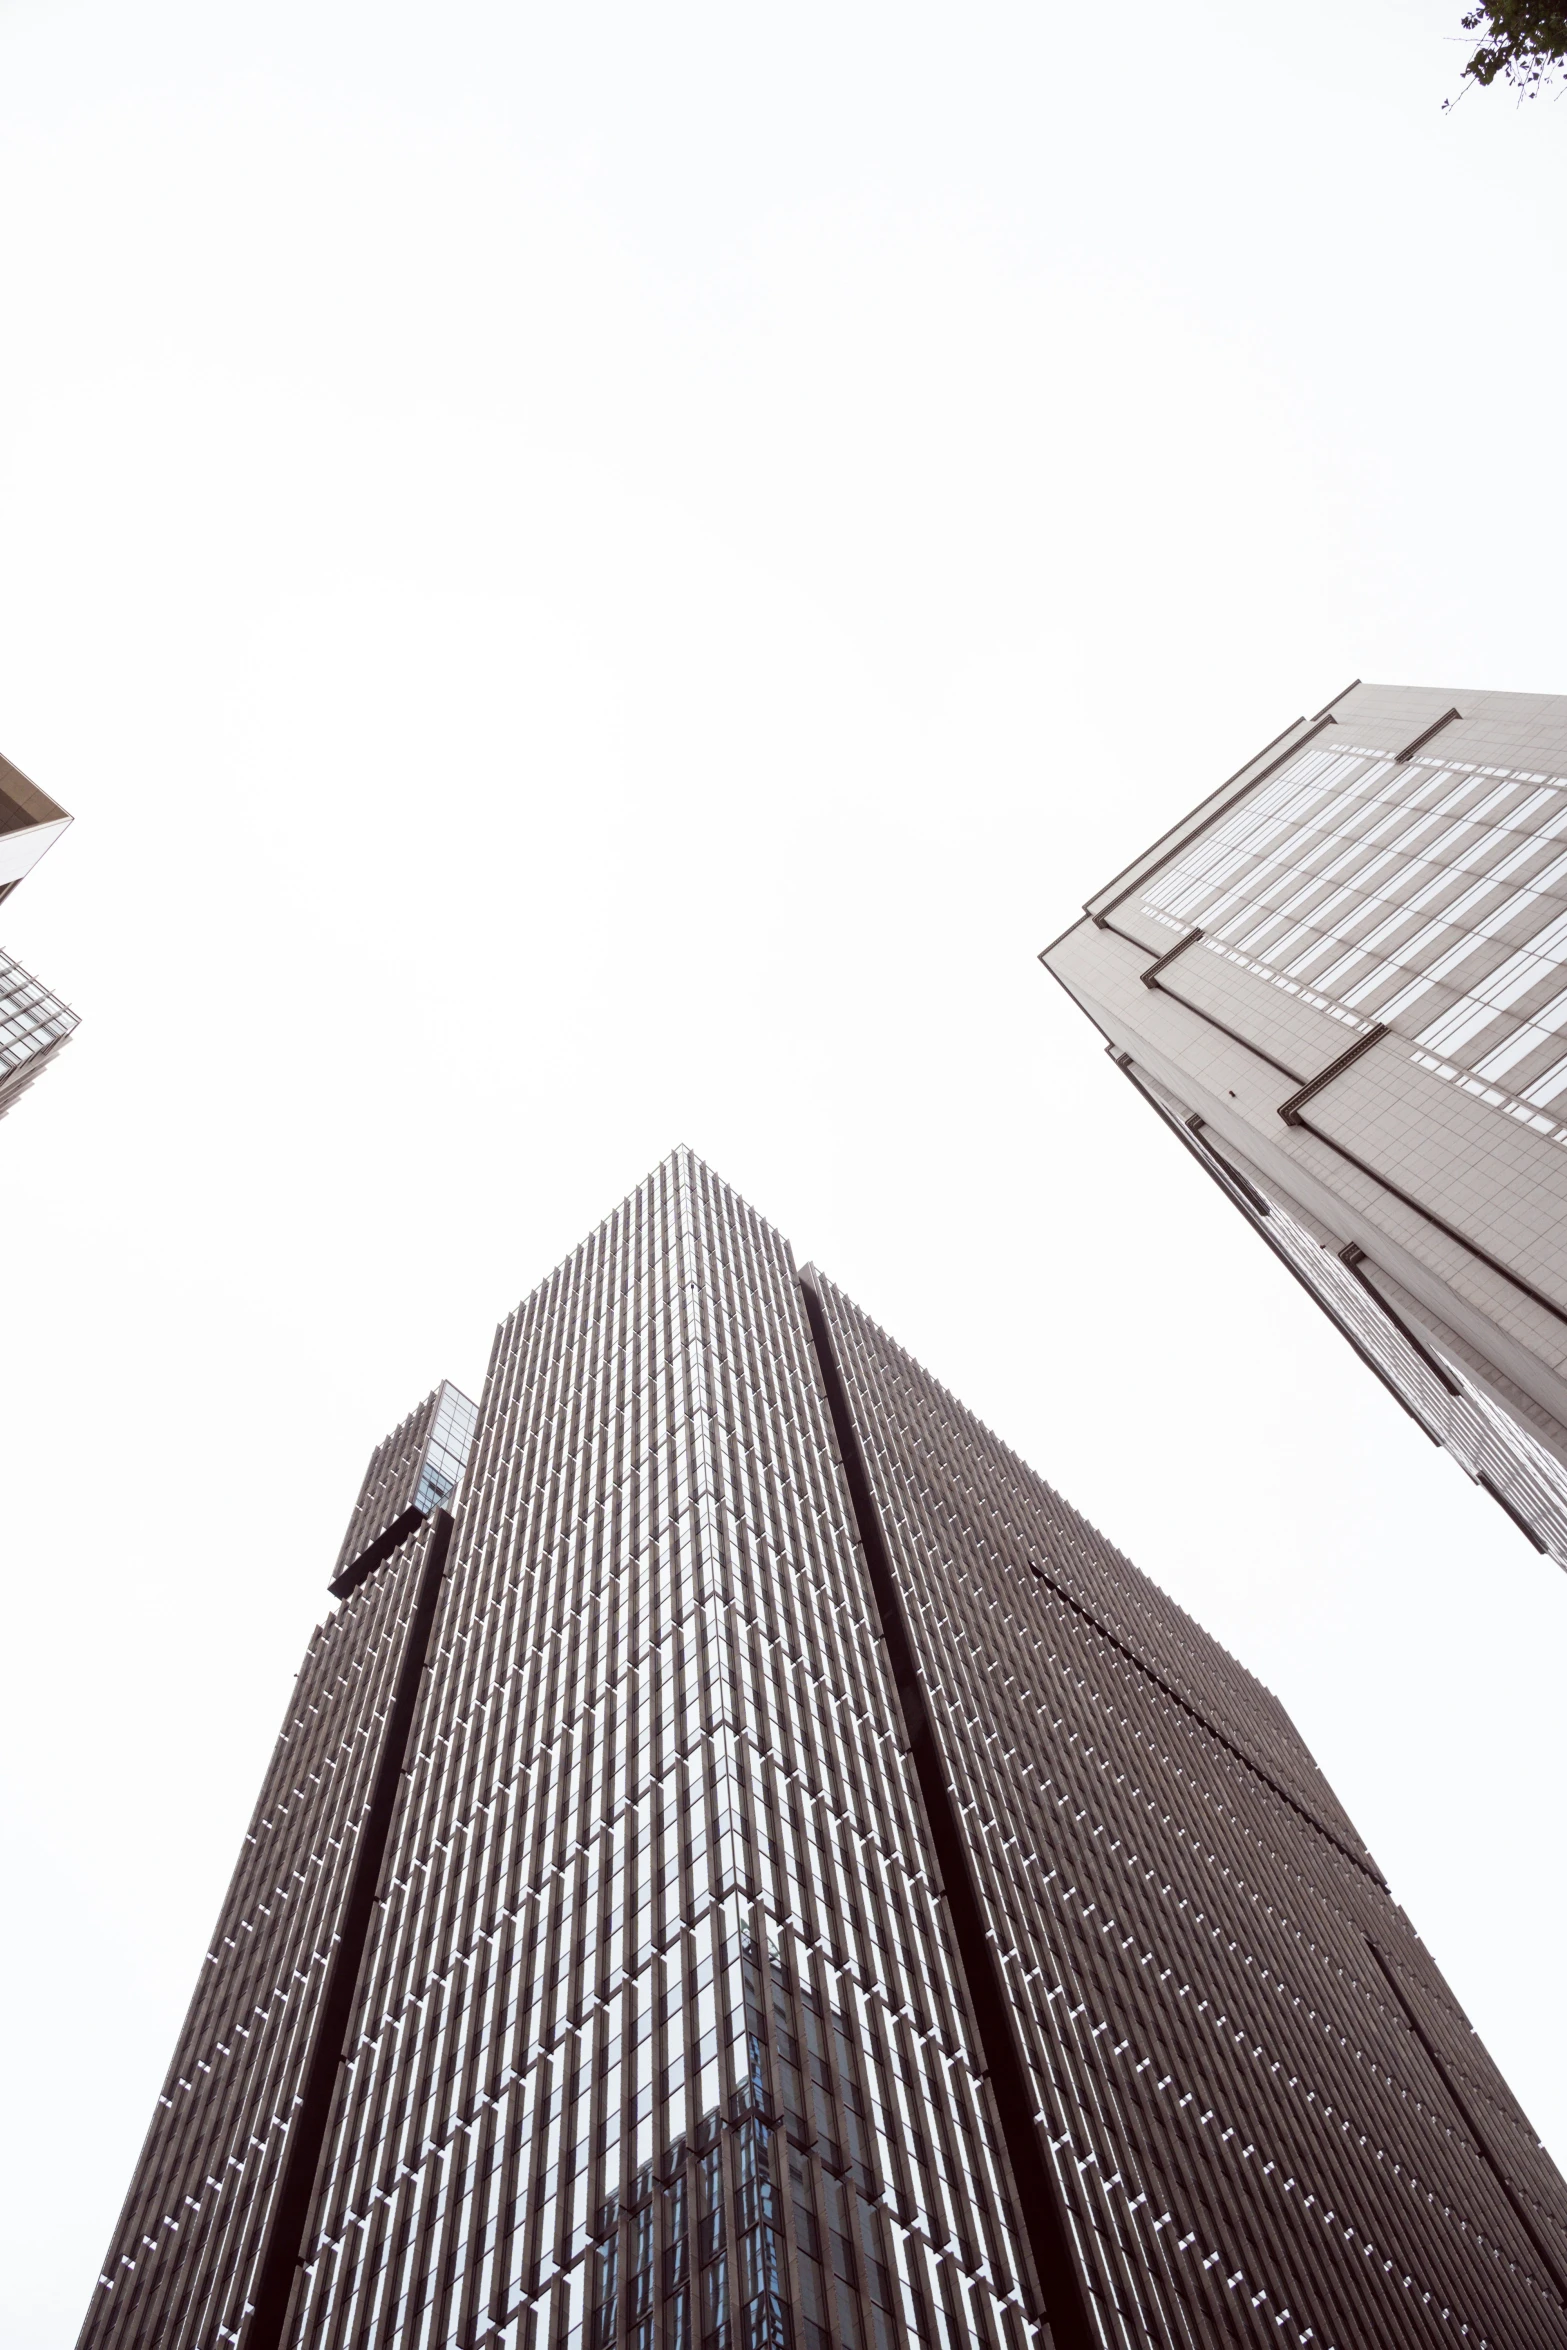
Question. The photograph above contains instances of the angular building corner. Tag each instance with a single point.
(1341, 981)
(746, 1867)
(34, 1025)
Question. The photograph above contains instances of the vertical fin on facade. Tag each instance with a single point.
(201, 2225)
(1045, 2224)
(1552, 2262)
(1184, 1954)
(661, 1954)
(279, 2264)
(586, 1982)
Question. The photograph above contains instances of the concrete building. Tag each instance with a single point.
(1341, 981)
(34, 1025)
(747, 1867)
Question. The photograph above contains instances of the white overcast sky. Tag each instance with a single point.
(598, 576)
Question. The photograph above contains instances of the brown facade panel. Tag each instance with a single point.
(182, 2265)
(1252, 2141)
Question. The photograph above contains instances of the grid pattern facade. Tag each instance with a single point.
(1426, 1374)
(183, 2263)
(1348, 968)
(34, 1026)
(825, 1899)
(1429, 894)
(660, 2036)
(1267, 2118)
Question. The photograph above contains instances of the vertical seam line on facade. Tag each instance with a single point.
(1235, 1187)
(279, 2263)
(1353, 1257)
(1197, 1127)
(1467, 2117)
(1527, 1288)
(1204, 1721)
(1309, 1086)
(1210, 1166)
(1044, 2222)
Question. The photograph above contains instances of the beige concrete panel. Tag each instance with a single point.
(1239, 1095)
(1280, 1023)
(1490, 1176)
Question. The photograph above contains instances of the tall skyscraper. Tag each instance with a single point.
(1342, 983)
(34, 1025)
(746, 1867)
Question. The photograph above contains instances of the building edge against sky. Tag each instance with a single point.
(747, 1867)
(34, 1025)
(1341, 981)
